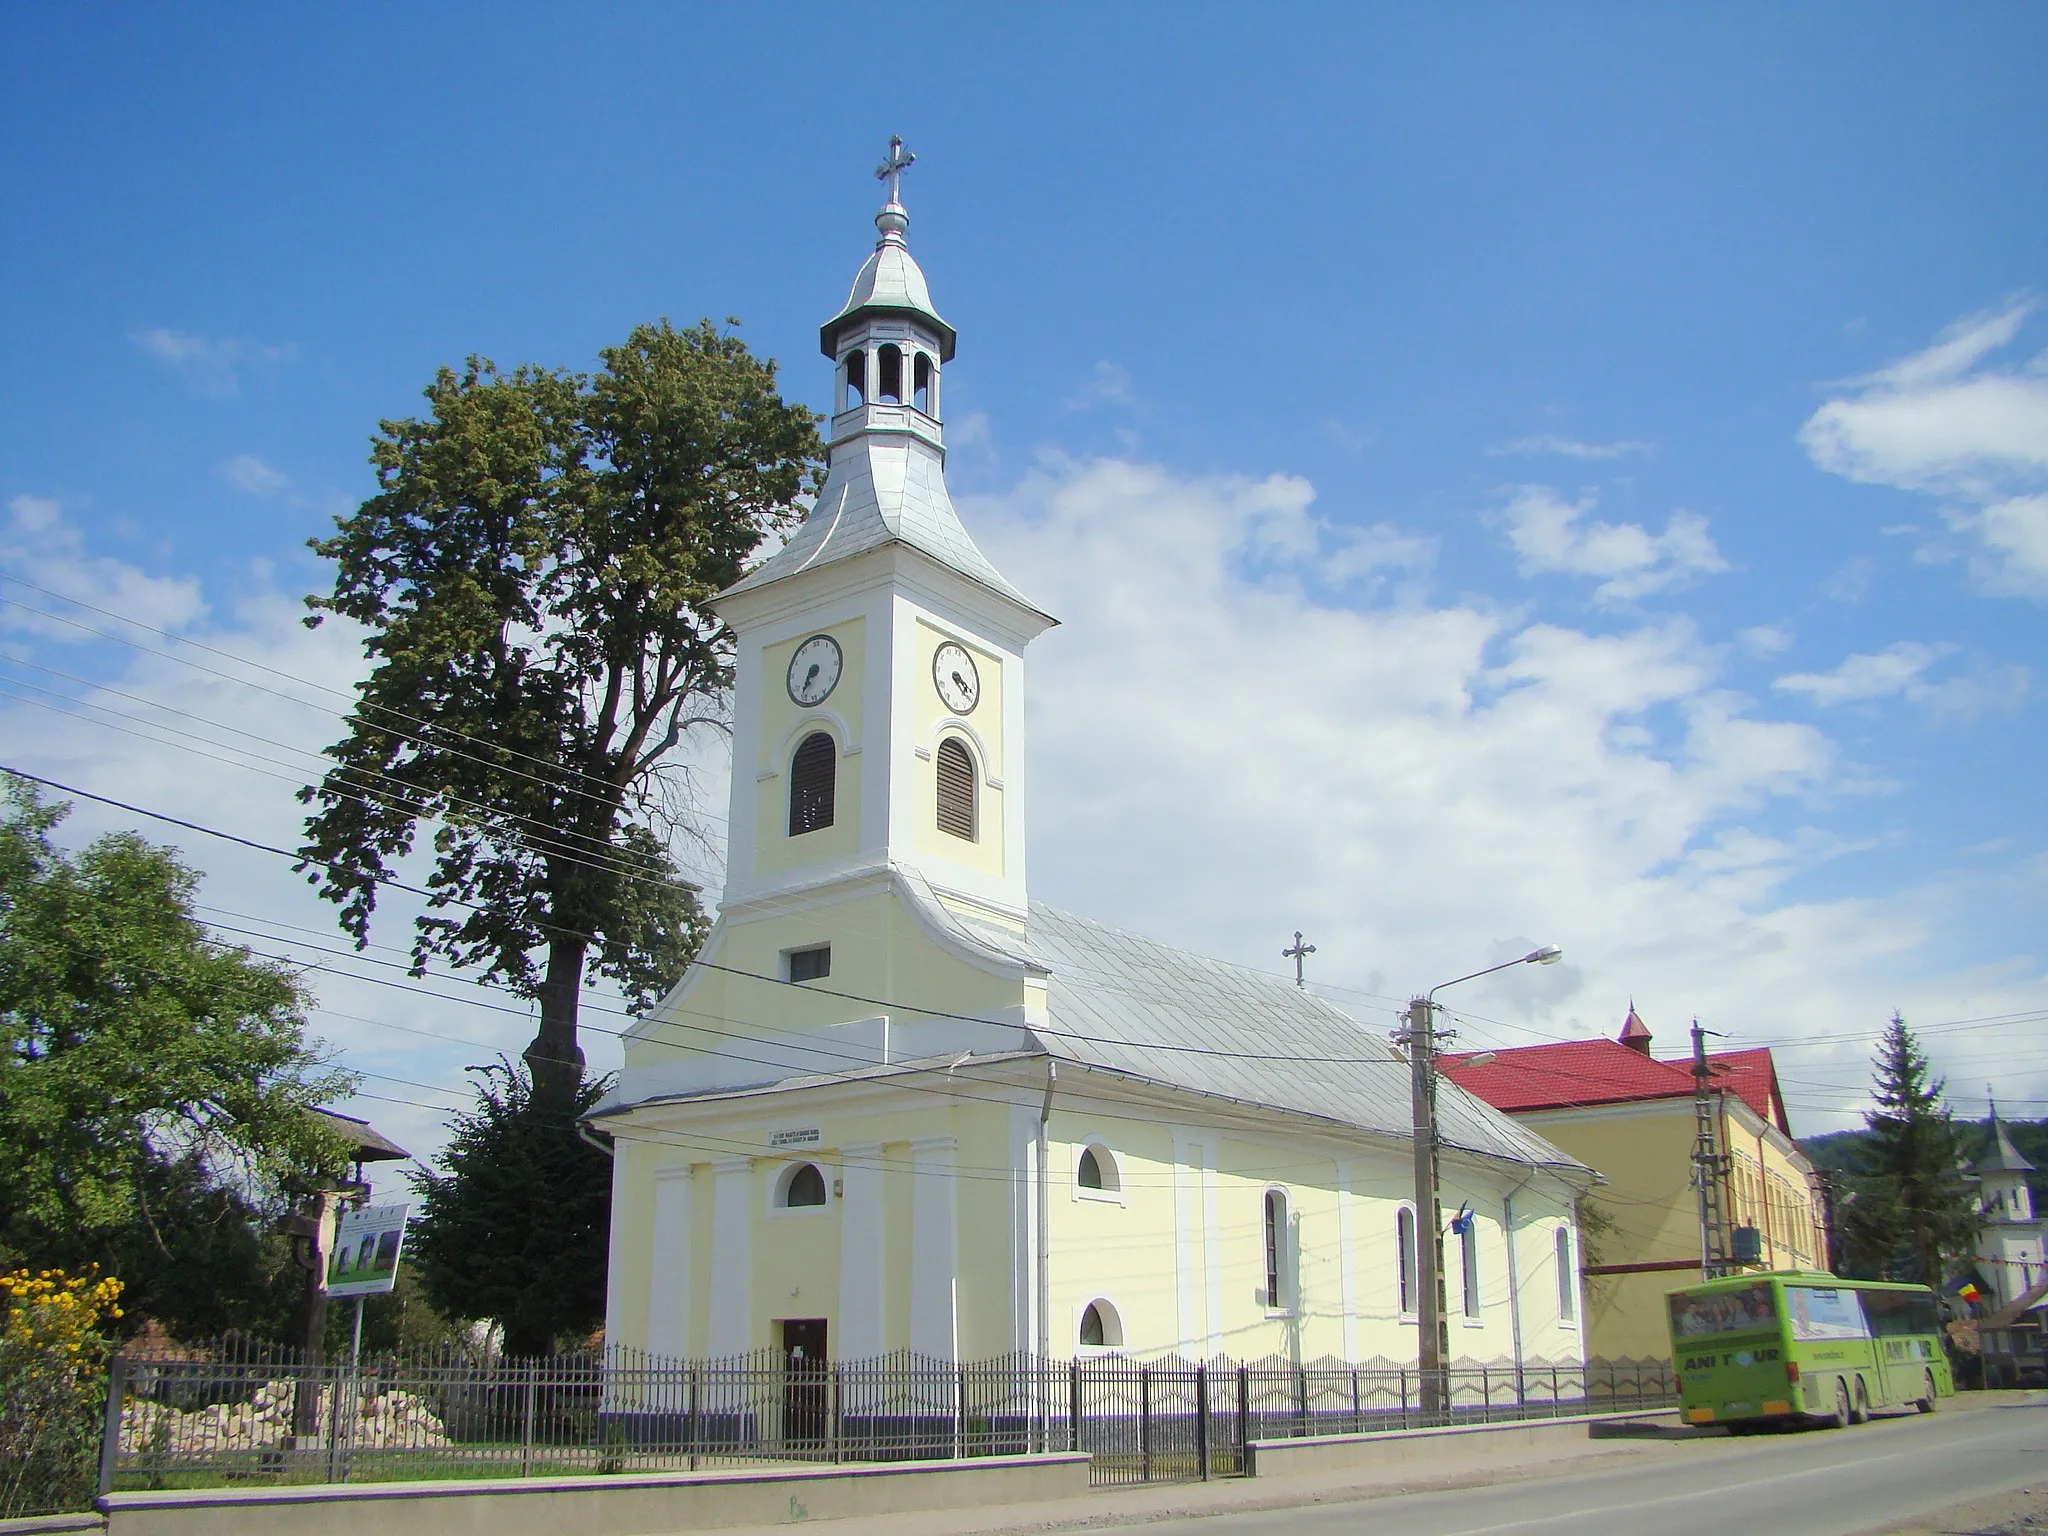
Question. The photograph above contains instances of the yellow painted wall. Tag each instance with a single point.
(1645, 1151)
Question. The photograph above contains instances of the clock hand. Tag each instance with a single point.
(959, 682)
(811, 676)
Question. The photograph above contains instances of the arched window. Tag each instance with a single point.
(801, 1186)
(1101, 1328)
(1404, 1242)
(1276, 1248)
(1567, 1279)
(956, 789)
(813, 777)
(1097, 1170)
(856, 378)
(921, 383)
(889, 375)
(1468, 1265)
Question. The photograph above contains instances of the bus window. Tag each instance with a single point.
(1899, 1314)
(1824, 1312)
(1693, 1316)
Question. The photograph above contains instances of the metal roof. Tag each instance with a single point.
(889, 282)
(369, 1144)
(2003, 1157)
(883, 490)
(1148, 1011)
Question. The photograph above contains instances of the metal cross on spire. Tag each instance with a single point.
(1298, 954)
(891, 170)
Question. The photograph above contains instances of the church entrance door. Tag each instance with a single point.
(806, 1368)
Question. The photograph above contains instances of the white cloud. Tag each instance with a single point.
(1765, 639)
(39, 544)
(1948, 422)
(1109, 384)
(246, 472)
(1901, 670)
(210, 365)
(1545, 443)
(1551, 534)
(1223, 749)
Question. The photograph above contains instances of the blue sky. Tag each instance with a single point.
(1606, 444)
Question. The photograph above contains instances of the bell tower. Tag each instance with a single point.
(879, 715)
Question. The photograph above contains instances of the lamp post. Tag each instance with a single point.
(1420, 1037)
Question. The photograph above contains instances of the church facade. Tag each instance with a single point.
(896, 1104)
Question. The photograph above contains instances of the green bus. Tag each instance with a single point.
(1756, 1350)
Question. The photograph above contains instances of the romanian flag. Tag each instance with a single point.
(1969, 1291)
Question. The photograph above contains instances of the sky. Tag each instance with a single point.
(1507, 475)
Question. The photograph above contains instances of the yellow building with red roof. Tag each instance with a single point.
(1620, 1110)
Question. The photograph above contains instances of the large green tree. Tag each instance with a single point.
(153, 1082)
(534, 576)
(1913, 1210)
(516, 1229)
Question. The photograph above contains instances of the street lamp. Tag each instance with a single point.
(1420, 1037)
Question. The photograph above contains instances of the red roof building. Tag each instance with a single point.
(1618, 1109)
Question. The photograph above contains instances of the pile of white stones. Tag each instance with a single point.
(383, 1421)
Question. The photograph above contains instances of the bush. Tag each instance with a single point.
(53, 1381)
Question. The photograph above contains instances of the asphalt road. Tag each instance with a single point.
(1817, 1483)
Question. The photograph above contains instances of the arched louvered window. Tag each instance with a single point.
(956, 789)
(813, 776)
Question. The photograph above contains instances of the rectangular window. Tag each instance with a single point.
(810, 964)
(1468, 1263)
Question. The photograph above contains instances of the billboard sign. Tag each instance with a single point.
(364, 1260)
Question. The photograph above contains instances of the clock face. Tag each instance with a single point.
(959, 684)
(814, 670)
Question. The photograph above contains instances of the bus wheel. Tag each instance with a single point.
(1840, 1418)
(1860, 1412)
(1927, 1399)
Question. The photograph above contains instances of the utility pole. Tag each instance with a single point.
(1420, 1035)
(1709, 1166)
(1431, 1344)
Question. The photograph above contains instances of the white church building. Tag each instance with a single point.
(897, 1104)
(2012, 1242)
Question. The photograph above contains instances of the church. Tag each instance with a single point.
(896, 1104)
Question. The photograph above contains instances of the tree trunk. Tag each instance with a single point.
(554, 1058)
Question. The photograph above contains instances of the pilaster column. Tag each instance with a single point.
(729, 1328)
(668, 1270)
(863, 1318)
(934, 1249)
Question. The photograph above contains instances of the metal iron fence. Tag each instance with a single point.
(240, 1411)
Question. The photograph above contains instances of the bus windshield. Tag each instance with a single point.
(1739, 1311)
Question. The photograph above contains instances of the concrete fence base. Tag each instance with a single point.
(623, 1505)
(1443, 1449)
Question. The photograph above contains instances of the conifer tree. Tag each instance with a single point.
(1913, 1209)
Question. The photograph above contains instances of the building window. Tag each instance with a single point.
(1101, 1328)
(1276, 1249)
(802, 1185)
(856, 378)
(1097, 1170)
(889, 375)
(1567, 1278)
(956, 789)
(813, 777)
(810, 964)
(1404, 1242)
(1468, 1265)
(921, 383)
